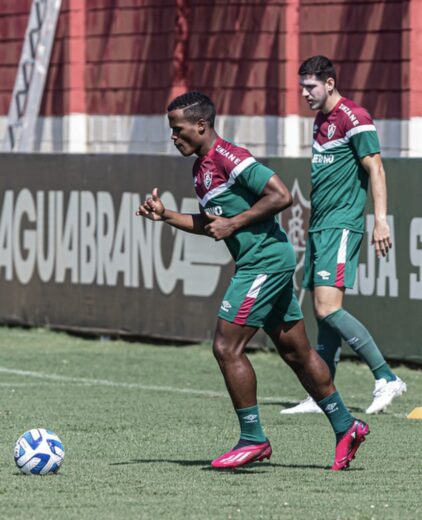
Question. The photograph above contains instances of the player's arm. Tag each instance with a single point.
(153, 209)
(381, 233)
(274, 198)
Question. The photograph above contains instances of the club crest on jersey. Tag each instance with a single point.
(207, 180)
(331, 130)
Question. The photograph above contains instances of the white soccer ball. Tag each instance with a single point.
(39, 452)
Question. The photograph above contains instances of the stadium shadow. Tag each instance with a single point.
(288, 404)
(170, 461)
(207, 467)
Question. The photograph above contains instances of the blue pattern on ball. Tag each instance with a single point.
(41, 449)
(34, 443)
(43, 460)
(54, 445)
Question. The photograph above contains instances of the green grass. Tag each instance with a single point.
(139, 447)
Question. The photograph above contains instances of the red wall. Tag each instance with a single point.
(366, 39)
(140, 53)
(13, 20)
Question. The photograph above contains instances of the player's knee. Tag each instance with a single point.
(295, 358)
(323, 309)
(224, 351)
(219, 349)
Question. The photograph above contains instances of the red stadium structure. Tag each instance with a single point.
(115, 64)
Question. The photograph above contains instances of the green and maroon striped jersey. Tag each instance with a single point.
(228, 180)
(339, 182)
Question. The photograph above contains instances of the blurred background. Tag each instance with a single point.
(87, 83)
(115, 64)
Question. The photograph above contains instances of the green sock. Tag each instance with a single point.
(250, 425)
(359, 339)
(384, 371)
(328, 346)
(337, 413)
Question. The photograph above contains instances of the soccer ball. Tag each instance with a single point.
(39, 452)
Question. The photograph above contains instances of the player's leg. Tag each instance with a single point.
(328, 341)
(245, 301)
(229, 345)
(229, 349)
(292, 344)
(329, 348)
(329, 310)
(342, 247)
(330, 269)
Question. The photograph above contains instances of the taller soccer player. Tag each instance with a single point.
(345, 157)
(238, 202)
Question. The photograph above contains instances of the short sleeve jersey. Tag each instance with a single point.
(228, 180)
(339, 182)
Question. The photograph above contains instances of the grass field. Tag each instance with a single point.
(141, 423)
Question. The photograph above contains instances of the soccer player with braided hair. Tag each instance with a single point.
(239, 199)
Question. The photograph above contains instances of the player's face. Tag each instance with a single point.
(315, 91)
(186, 136)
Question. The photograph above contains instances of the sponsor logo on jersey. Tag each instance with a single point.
(325, 275)
(354, 120)
(319, 158)
(331, 130)
(226, 153)
(215, 210)
(225, 306)
(207, 179)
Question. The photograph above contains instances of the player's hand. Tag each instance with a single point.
(152, 208)
(219, 227)
(381, 238)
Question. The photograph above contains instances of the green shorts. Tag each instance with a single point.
(261, 300)
(331, 258)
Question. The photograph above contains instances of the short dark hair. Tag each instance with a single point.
(320, 67)
(195, 106)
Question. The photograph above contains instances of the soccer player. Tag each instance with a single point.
(238, 200)
(345, 156)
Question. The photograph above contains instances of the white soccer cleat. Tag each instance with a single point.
(306, 406)
(384, 394)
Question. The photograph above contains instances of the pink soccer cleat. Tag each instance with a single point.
(348, 445)
(243, 455)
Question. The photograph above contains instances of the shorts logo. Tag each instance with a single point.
(331, 130)
(325, 275)
(207, 179)
(225, 306)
